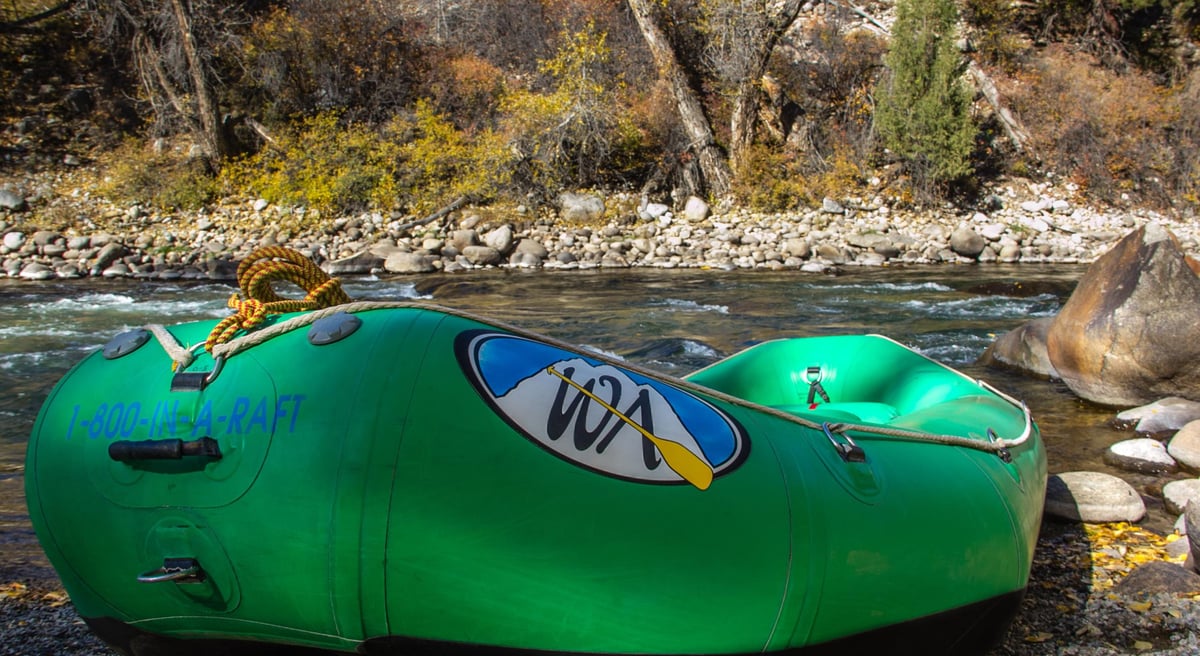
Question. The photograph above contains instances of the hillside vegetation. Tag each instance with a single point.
(407, 106)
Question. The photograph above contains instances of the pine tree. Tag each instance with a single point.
(923, 107)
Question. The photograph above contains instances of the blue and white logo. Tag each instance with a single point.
(601, 417)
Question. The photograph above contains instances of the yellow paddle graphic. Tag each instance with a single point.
(679, 458)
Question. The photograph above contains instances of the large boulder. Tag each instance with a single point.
(1022, 349)
(1130, 332)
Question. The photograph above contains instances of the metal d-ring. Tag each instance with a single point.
(1003, 452)
(848, 450)
(196, 381)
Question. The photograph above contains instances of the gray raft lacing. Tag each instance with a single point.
(184, 357)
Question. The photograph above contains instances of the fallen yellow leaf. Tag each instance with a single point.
(55, 599)
(12, 590)
(1142, 645)
(1040, 636)
(1139, 606)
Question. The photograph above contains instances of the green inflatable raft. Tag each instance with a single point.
(407, 479)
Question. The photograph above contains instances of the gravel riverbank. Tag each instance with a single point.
(55, 227)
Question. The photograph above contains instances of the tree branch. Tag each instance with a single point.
(21, 25)
(455, 204)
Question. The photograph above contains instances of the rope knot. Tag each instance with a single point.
(258, 299)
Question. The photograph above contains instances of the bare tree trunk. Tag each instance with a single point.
(1012, 126)
(211, 135)
(712, 160)
(744, 121)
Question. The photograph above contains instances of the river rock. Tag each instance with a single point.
(1191, 521)
(1177, 495)
(482, 255)
(580, 208)
(524, 260)
(1022, 349)
(1184, 446)
(532, 247)
(500, 239)
(14, 240)
(37, 271)
(652, 211)
(1130, 332)
(1162, 416)
(360, 263)
(966, 242)
(1157, 577)
(1092, 497)
(401, 262)
(109, 253)
(695, 209)
(460, 239)
(11, 201)
(1142, 455)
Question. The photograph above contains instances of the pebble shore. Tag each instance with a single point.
(64, 232)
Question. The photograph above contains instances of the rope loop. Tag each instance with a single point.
(256, 276)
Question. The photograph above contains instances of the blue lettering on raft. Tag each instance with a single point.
(246, 416)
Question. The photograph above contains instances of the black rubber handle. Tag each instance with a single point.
(128, 451)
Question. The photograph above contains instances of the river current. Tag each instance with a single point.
(675, 321)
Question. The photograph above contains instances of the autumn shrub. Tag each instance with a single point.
(438, 163)
(776, 180)
(832, 91)
(417, 161)
(772, 180)
(576, 130)
(137, 173)
(322, 163)
(1110, 132)
(466, 88)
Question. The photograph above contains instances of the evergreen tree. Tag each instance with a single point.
(923, 107)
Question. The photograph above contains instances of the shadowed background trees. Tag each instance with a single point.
(409, 105)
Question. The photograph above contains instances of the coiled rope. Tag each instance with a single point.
(256, 275)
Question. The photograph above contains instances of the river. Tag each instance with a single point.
(675, 321)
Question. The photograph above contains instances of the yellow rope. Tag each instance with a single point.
(256, 275)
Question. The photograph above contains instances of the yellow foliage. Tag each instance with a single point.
(323, 165)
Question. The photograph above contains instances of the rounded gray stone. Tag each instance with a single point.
(37, 271)
(1184, 446)
(1142, 455)
(1093, 497)
(1168, 414)
(1177, 494)
(1191, 521)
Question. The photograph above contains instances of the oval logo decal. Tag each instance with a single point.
(599, 416)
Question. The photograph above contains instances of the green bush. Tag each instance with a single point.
(924, 109)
